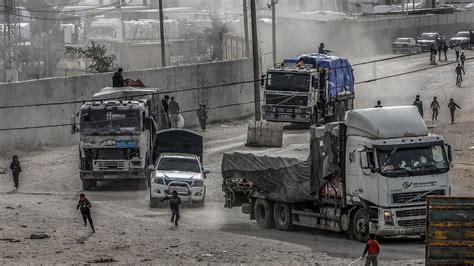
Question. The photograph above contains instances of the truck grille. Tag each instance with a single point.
(412, 223)
(288, 100)
(110, 165)
(409, 213)
(410, 196)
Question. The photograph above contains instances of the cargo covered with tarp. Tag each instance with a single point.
(340, 73)
(289, 179)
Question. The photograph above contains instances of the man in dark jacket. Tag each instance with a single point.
(452, 109)
(202, 116)
(435, 108)
(175, 201)
(117, 79)
(445, 50)
(85, 206)
(379, 104)
(419, 105)
(15, 167)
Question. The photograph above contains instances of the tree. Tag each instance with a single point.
(101, 62)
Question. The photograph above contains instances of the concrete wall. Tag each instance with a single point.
(172, 80)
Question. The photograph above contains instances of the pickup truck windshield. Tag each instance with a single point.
(179, 165)
(110, 122)
(428, 37)
(288, 82)
(406, 161)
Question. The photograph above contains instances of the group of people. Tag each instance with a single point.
(443, 47)
(435, 107)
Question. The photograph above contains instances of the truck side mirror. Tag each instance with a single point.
(151, 167)
(205, 170)
(450, 153)
(262, 81)
(367, 162)
(72, 122)
(315, 83)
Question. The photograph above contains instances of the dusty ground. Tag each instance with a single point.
(129, 232)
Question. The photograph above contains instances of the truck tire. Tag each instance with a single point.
(142, 184)
(264, 213)
(360, 225)
(282, 216)
(86, 184)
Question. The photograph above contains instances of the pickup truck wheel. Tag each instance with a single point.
(360, 225)
(282, 216)
(264, 213)
(86, 184)
(142, 184)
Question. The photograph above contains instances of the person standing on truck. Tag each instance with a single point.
(117, 79)
(175, 201)
(173, 108)
(202, 116)
(452, 109)
(419, 105)
(379, 104)
(321, 49)
(85, 206)
(434, 108)
(15, 167)
(373, 250)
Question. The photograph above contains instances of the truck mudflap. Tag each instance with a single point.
(450, 231)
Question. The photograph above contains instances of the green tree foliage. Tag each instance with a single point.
(101, 62)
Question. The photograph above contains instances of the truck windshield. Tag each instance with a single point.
(288, 82)
(406, 161)
(110, 122)
(429, 37)
(179, 164)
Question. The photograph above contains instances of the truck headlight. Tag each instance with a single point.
(159, 180)
(198, 183)
(387, 216)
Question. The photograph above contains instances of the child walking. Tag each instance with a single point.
(175, 201)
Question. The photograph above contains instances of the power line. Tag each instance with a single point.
(67, 11)
(49, 6)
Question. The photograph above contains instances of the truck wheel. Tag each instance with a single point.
(264, 213)
(360, 225)
(142, 184)
(86, 184)
(282, 216)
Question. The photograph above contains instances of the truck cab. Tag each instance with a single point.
(392, 164)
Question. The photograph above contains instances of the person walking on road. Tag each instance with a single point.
(175, 201)
(173, 108)
(445, 50)
(373, 250)
(440, 48)
(459, 72)
(15, 167)
(117, 79)
(432, 55)
(419, 105)
(85, 206)
(202, 116)
(434, 108)
(457, 49)
(452, 109)
(463, 58)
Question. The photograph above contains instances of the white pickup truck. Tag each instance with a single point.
(178, 167)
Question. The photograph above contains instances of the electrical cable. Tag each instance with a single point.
(66, 11)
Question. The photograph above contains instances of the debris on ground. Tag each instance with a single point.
(39, 236)
(12, 240)
(103, 260)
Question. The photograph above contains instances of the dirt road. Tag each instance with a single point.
(129, 232)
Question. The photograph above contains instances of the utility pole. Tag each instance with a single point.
(246, 30)
(11, 25)
(274, 31)
(123, 23)
(256, 71)
(162, 34)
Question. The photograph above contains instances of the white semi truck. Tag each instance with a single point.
(368, 174)
(117, 134)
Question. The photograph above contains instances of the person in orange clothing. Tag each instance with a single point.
(373, 250)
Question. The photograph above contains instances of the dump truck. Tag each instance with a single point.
(370, 173)
(450, 231)
(117, 132)
(309, 88)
